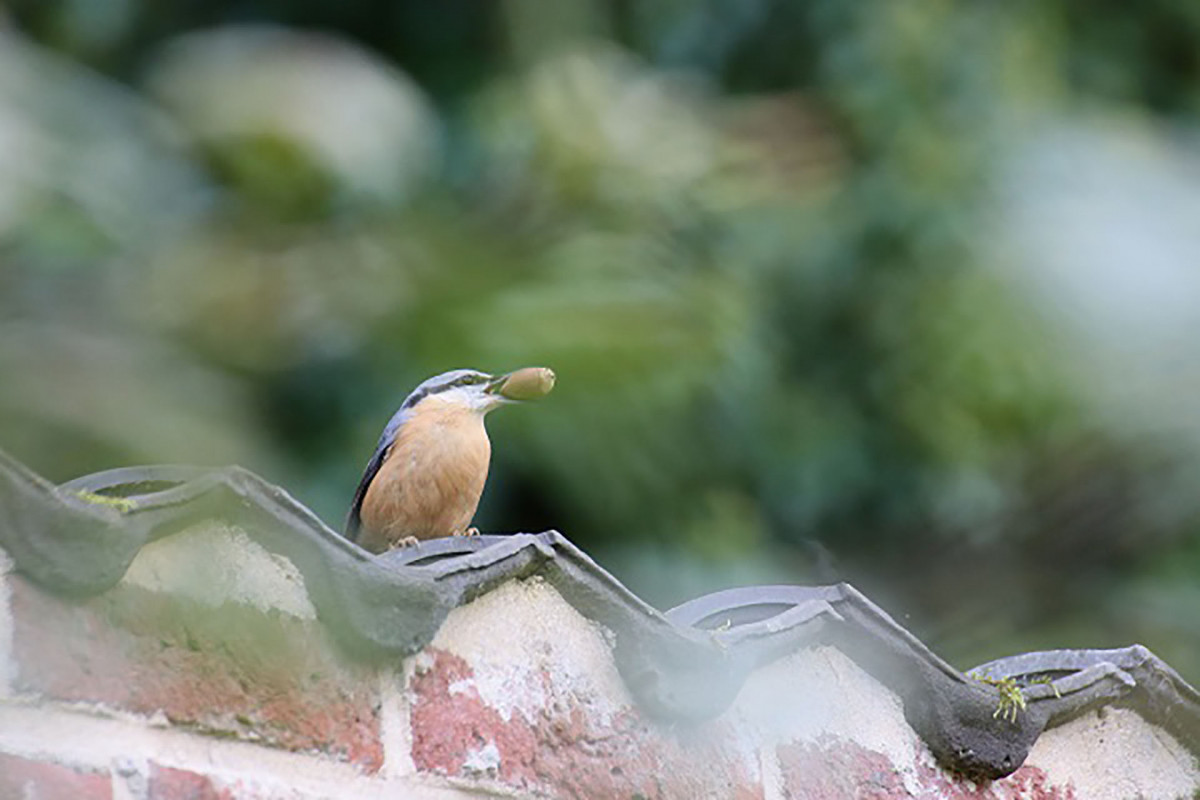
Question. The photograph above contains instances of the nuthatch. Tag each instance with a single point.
(428, 470)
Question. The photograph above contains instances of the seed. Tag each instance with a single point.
(529, 383)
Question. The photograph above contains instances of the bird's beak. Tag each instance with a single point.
(496, 384)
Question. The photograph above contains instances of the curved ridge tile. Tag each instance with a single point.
(78, 546)
(952, 714)
(674, 672)
(1072, 682)
(59, 537)
(687, 664)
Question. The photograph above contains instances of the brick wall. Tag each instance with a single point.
(206, 673)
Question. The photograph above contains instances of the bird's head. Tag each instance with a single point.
(473, 390)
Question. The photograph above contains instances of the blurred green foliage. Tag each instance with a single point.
(764, 245)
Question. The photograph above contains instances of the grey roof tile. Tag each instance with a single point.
(686, 664)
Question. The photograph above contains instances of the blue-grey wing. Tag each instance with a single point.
(354, 518)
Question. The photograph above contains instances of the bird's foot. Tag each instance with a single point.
(715, 639)
(472, 531)
(406, 542)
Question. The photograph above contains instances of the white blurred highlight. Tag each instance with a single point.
(1104, 220)
(364, 120)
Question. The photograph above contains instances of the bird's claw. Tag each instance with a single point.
(472, 531)
(714, 637)
(406, 542)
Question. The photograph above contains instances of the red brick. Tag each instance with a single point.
(40, 780)
(170, 783)
(565, 752)
(167, 783)
(1027, 783)
(831, 769)
(231, 670)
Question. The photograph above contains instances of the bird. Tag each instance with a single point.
(427, 473)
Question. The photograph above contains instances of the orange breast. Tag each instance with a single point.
(431, 481)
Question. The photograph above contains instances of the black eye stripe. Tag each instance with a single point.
(472, 379)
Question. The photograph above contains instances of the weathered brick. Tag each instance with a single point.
(172, 783)
(168, 783)
(831, 768)
(231, 670)
(565, 750)
(27, 779)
